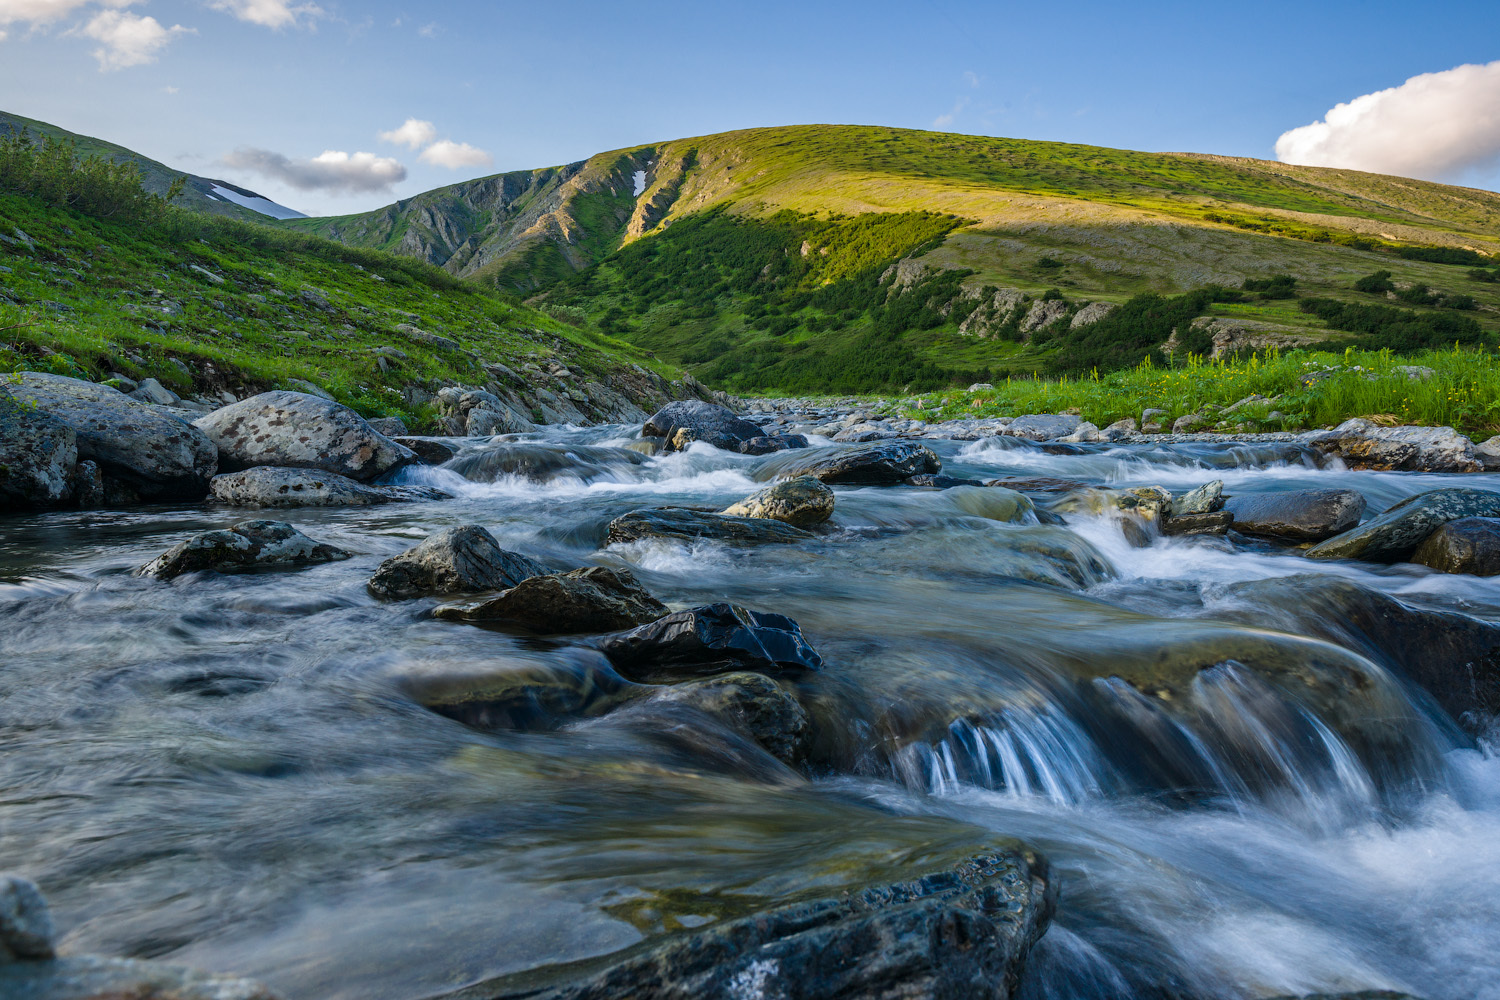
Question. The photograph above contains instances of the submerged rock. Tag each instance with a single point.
(710, 640)
(1299, 516)
(766, 444)
(1207, 523)
(960, 931)
(691, 525)
(300, 430)
(269, 486)
(754, 703)
(246, 545)
(801, 502)
(26, 931)
(1469, 545)
(38, 454)
(939, 482)
(1150, 503)
(541, 462)
(458, 560)
(504, 695)
(684, 421)
(1394, 535)
(1366, 445)
(994, 503)
(594, 599)
(429, 451)
(885, 464)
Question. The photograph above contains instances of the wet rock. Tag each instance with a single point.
(1469, 545)
(685, 421)
(1039, 484)
(801, 502)
(1146, 502)
(1365, 445)
(1488, 453)
(961, 931)
(594, 599)
(691, 525)
(246, 545)
(466, 559)
(391, 427)
(1204, 500)
(1043, 426)
(754, 703)
(88, 486)
(147, 449)
(37, 456)
(500, 695)
(709, 640)
(648, 446)
(940, 482)
(1206, 523)
(767, 444)
(541, 462)
(1135, 535)
(429, 451)
(1394, 535)
(299, 430)
(994, 503)
(1299, 516)
(879, 465)
(270, 486)
(26, 931)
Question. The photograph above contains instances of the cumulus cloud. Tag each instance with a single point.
(332, 171)
(413, 133)
(269, 13)
(454, 155)
(128, 39)
(944, 120)
(40, 13)
(1436, 126)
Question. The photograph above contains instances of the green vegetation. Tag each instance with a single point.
(52, 171)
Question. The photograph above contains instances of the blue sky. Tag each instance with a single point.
(256, 91)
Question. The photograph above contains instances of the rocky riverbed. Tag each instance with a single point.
(794, 702)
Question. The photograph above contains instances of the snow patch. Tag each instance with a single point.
(640, 182)
(261, 205)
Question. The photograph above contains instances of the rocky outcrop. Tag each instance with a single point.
(301, 431)
(1042, 314)
(802, 502)
(1297, 516)
(685, 421)
(1394, 535)
(38, 456)
(145, 448)
(1365, 445)
(243, 546)
(1091, 314)
(465, 559)
(715, 639)
(1468, 545)
(271, 486)
(594, 599)
(884, 464)
(692, 525)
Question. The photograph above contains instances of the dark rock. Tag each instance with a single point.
(145, 447)
(1394, 535)
(1469, 545)
(573, 684)
(961, 932)
(391, 427)
(766, 444)
(690, 525)
(1300, 516)
(886, 464)
(247, 545)
(1365, 445)
(1206, 499)
(465, 559)
(1040, 484)
(710, 640)
(802, 502)
(269, 486)
(994, 503)
(1135, 535)
(38, 453)
(428, 450)
(299, 430)
(89, 489)
(542, 462)
(687, 420)
(755, 704)
(940, 482)
(1213, 523)
(594, 599)
(26, 931)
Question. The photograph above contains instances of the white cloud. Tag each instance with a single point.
(128, 39)
(413, 133)
(3, 36)
(1437, 126)
(944, 120)
(454, 155)
(430, 30)
(971, 78)
(40, 13)
(269, 13)
(332, 171)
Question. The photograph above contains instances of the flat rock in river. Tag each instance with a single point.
(593, 599)
(1469, 545)
(885, 464)
(270, 486)
(465, 559)
(300, 430)
(1394, 535)
(691, 525)
(710, 640)
(1299, 515)
(246, 545)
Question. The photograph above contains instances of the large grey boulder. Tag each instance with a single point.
(802, 502)
(687, 420)
(1365, 445)
(272, 486)
(1488, 453)
(38, 454)
(243, 546)
(1469, 545)
(1043, 426)
(692, 525)
(1394, 535)
(465, 559)
(1298, 516)
(594, 599)
(886, 464)
(300, 430)
(144, 447)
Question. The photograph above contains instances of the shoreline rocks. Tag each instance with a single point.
(299, 430)
(1394, 535)
(271, 486)
(243, 546)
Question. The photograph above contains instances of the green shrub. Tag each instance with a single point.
(52, 172)
(1377, 327)
(1375, 284)
(1278, 286)
(1442, 255)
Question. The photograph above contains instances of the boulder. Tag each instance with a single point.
(1044, 426)
(994, 503)
(959, 931)
(1394, 535)
(687, 420)
(1298, 516)
(692, 525)
(1488, 453)
(429, 451)
(1084, 432)
(768, 443)
(146, 448)
(38, 454)
(1469, 545)
(271, 486)
(715, 639)
(299, 430)
(1204, 500)
(26, 931)
(1149, 503)
(1205, 523)
(594, 599)
(466, 559)
(1189, 423)
(755, 704)
(151, 391)
(391, 427)
(1362, 444)
(1120, 429)
(246, 545)
(801, 502)
(542, 462)
(885, 464)
(940, 482)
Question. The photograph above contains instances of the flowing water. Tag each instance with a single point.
(238, 773)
